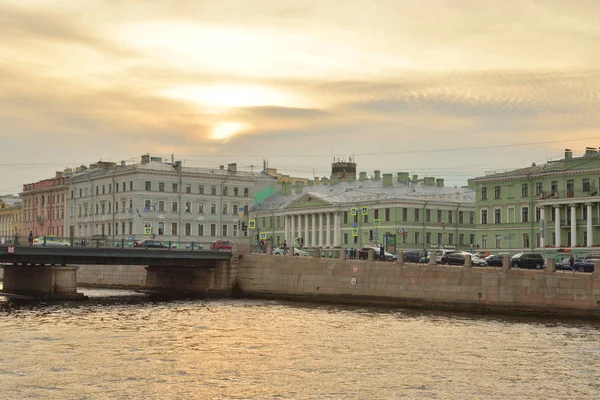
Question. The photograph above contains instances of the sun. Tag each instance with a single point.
(227, 130)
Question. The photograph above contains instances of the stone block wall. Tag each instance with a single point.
(112, 275)
(421, 285)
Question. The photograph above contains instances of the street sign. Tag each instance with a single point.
(251, 224)
(365, 210)
(11, 250)
(263, 235)
(353, 211)
(147, 230)
(240, 212)
(354, 232)
(376, 222)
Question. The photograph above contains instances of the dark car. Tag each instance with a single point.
(221, 245)
(528, 260)
(458, 258)
(584, 266)
(495, 260)
(412, 256)
(150, 243)
(564, 265)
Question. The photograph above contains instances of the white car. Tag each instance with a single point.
(280, 251)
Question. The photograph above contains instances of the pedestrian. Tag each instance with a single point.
(571, 262)
(285, 248)
(30, 238)
(381, 253)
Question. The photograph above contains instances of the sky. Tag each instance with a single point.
(452, 89)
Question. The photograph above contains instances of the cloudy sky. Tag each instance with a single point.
(449, 89)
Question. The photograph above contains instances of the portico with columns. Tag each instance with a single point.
(312, 228)
(575, 223)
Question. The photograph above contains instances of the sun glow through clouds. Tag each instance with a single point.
(226, 130)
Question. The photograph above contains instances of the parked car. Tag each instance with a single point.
(494, 260)
(592, 256)
(221, 245)
(151, 243)
(441, 253)
(50, 241)
(412, 256)
(458, 258)
(527, 260)
(280, 251)
(563, 265)
(363, 254)
(584, 265)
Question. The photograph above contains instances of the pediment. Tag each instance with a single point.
(308, 200)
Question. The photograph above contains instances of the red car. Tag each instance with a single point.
(221, 245)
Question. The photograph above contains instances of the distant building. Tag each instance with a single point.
(11, 215)
(556, 204)
(44, 205)
(417, 213)
(343, 171)
(163, 200)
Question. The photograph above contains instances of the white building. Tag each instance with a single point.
(166, 201)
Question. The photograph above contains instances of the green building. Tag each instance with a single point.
(554, 205)
(400, 211)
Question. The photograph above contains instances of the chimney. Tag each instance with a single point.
(59, 174)
(158, 159)
(429, 181)
(591, 151)
(222, 167)
(299, 187)
(232, 167)
(403, 177)
(311, 182)
(439, 182)
(362, 176)
(568, 153)
(334, 180)
(145, 158)
(317, 180)
(415, 178)
(177, 165)
(325, 180)
(351, 178)
(123, 163)
(388, 179)
(376, 176)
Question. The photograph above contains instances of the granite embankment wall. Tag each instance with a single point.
(428, 286)
(112, 275)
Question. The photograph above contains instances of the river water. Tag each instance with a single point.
(124, 345)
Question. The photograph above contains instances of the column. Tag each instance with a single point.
(313, 241)
(321, 241)
(292, 231)
(299, 231)
(557, 225)
(306, 233)
(336, 236)
(590, 231)
(573, 225)
(328, 230)
(543, 227)
(286, 226)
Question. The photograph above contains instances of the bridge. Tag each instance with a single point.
(51, 272)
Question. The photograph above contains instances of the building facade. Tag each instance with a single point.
(11, 215)
(164, 201)
(44, 206)
(419, 214)
(556, 205)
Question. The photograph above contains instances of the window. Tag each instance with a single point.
(498, 241)
(213, 209)
(161, 205)
(496, 192)
(235, 191)
(225, 191)
(213, 190)
(484, 217)
(524, 190)
(461, 239)
(538, 213)
(404, 214)
(224, 232)
(200, 229)
(428, 238)
(116, 187)
(225, 206)
(161, 186)
(345, 238)
(417, 237)
(484, 193)
(148, 186)
(246, 192)
(428, 215)
(174, 229)
(440, 238)
(524, 214)
(345, 220)
(366, 218)
(130, 185)
(584, 212)
(376, 213)
(201, 189)
(130, 227)
(188, 207)
(213, 229)
(417, 214)
(124, 186)
(554, 187)
(570, 187)
(585, 185)
(116, 228)
(188, 188)
(96, 209)
(472, 217)
(161, 228)
(387, 215)
(484, 241)
(188, 229)
(526, 240)
(175, 187)
(235, 232)
(472, 238)
(450, 218)
(110, 191)
(174, 206)
(497, 216)
(450, 238)
(461, 217)
(147, 204)
(201, 208)
(439, 216)
(539, 188)
(97, 192)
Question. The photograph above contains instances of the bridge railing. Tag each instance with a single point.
(109, 242)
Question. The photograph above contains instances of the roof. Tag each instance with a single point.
(351, 193)
(11, 201)
(157, 166)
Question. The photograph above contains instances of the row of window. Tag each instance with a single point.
(525, 215)
(149, 206)
(104, 189)
(44, 199)
(57, 214)
(166, 228)
(586, 187)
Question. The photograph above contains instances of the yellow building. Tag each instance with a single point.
(11, 217)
